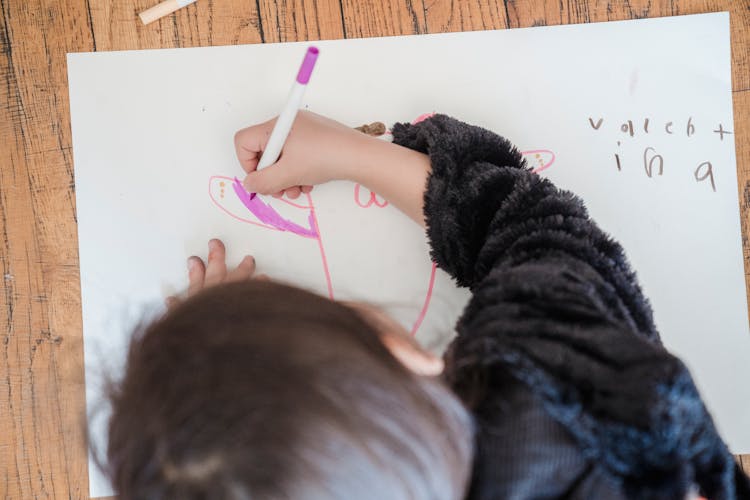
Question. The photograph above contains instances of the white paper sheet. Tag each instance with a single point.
(150, 129)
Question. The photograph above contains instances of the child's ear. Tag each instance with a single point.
(398, 341)
(417, 360)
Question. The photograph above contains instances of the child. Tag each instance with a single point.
(255, 390)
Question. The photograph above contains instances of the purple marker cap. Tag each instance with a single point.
(307, 65)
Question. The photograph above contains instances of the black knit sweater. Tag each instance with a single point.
(557, 354)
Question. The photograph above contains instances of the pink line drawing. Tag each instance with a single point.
(266, 216)
(266, 213)
(374, 199)
(422, 117)
(270, 219)
(544, 158)
(316, 227)
(426, 304)
(221, 207)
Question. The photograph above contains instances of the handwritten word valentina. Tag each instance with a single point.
(653, 162)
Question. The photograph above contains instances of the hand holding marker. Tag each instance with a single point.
(286, 118)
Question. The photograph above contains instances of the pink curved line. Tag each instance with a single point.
(427, 299)
(297, 205)
(357, 200)
(373, 199)
(377, 203)
(316, 228)
(422, 117)
(546, 165)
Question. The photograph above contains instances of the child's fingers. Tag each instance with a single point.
(278, 195)
(250, 142)
(272, 179)
(196, 275)
(293, 192)
(244, 270)
(248, 156)
(306, 189)
(171, 302)
(216, 270)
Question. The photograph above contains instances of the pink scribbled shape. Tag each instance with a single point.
(266, 214)
(267, 217)
(545, 163)
(238, 217)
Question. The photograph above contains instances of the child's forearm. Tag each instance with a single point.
(396, 173)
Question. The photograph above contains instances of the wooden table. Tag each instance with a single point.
(42, 450)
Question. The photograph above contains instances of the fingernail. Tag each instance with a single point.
(190, 263)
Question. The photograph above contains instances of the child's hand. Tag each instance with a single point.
(201, 276)
(317, 150)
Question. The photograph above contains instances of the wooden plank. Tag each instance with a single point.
(383, 18)
(293, 20)
(116, 25)
(443, 17)
(741, 103)
(42, 451)
(742, 145)
(42, 454)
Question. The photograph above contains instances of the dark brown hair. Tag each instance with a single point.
(257, 390)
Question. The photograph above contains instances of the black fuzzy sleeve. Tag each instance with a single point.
(556, 306)
(486, 210)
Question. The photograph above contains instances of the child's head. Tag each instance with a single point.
(256, 390)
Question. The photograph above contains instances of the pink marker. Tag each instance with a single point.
(286, 118)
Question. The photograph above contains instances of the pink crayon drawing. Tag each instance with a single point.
(264, 215)
(543, 158)
(373, 199)
(267, 217)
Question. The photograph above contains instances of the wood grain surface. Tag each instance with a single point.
(42, 438)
